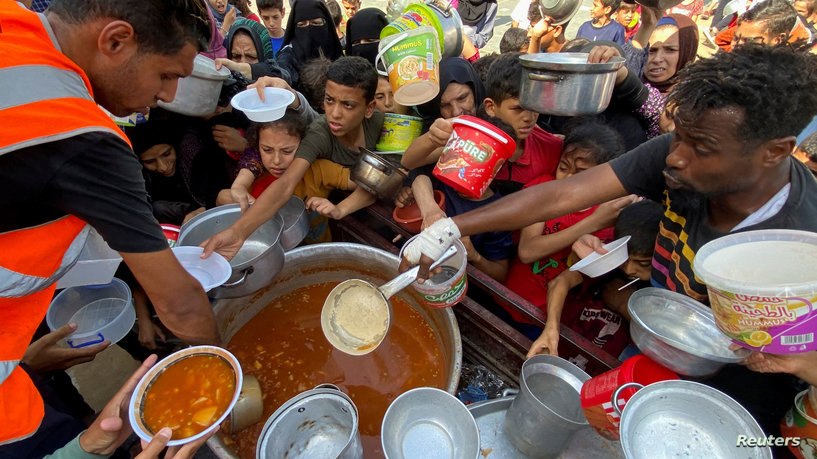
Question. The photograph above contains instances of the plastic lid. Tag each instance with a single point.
(416, 93)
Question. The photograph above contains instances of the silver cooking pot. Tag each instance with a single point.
(336, 262)
(296, 223)
(377, 175)
(451, 24)
(560, 11)
(564, 84)
(257, 262)
(197, 94)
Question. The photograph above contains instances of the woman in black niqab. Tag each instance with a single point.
(310, 33)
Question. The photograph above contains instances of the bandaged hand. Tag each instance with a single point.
(432, 241)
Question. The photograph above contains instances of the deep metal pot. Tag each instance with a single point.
(197, 94)
(451, 24)
(322, 422)
(564, 84)
(687, 419)
(662, 4)
(377, 175)
(547, 410)
(296, 223)
(255, 265)
(560, 11)
(335, 262)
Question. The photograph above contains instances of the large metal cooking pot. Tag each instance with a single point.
(197, 94)
(564, 84)
(560, 11)
(255, 265)
(336, 262)
(377, 175)
(686, 419)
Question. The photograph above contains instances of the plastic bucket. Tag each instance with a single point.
(171, 232)
(447, 288)
(597, 393)
(762, 289)
(411, 60)
(473, 155)
(100, 311)
(799, 421)
(398, 132)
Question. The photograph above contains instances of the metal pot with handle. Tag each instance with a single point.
(377, 175)
(257, 262)
(565, 84)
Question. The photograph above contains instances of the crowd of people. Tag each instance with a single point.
(688, 150)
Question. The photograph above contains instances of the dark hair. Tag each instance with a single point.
(575, 45)
(334, 11)
(641, 222)
(774, 86)
(482, 66)
(291, 123)
(313, 81)
(270, 4)
(809, 146)
(513, 40)
(355, 72)
(602, 142)
(778, 17)
(613, 4)
(504, 77)
(161, 26)
(534, 12)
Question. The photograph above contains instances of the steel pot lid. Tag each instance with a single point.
(569, 62)
(204, 67)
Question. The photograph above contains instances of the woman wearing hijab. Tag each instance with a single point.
(310, 33)
(249, 51)
(363, 33)
(672, 44)
(478, 20)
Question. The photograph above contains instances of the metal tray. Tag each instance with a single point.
(490, 417)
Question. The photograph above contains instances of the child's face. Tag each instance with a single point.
(219, 5)
(598, 10)
(345, 108)
(351, 7)
(625, 14)
(639, 266)
(384, 97)
(273, 17)
(277, 148)
(160, 158)
(573, 161)
(511, 111)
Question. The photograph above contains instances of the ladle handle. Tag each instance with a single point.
(404, 280)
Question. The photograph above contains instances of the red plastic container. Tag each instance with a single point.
(473, 155)
(597, 393)
(410, 219)
(171, 233)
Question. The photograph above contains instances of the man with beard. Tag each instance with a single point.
(728, 167)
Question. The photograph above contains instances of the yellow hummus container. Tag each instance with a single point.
(398, 132)
(412, 63)
(762, 287)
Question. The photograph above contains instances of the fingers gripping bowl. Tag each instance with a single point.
(191, 391)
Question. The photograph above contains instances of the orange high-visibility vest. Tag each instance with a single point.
(45, 97)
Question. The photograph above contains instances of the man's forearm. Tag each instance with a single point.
(190, 317)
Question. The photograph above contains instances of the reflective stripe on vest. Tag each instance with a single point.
(6, 368)
(14, 284)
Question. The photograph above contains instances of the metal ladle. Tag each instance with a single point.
(356, 315)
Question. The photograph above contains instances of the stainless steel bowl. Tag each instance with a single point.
(687, 419)
(257, 262)
(296, 223)
(451, 24)
(377, 175)
(564, 84)
(679, 333)
(429, 422)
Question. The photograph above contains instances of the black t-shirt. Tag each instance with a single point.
(684, 226)
(94, 176)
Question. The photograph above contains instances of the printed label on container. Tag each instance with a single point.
(781, 325)
(449, 297)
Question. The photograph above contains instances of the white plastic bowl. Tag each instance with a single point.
(137, 399)
(101, 312)
(277, 101)
(210, 272)
(596, 264)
